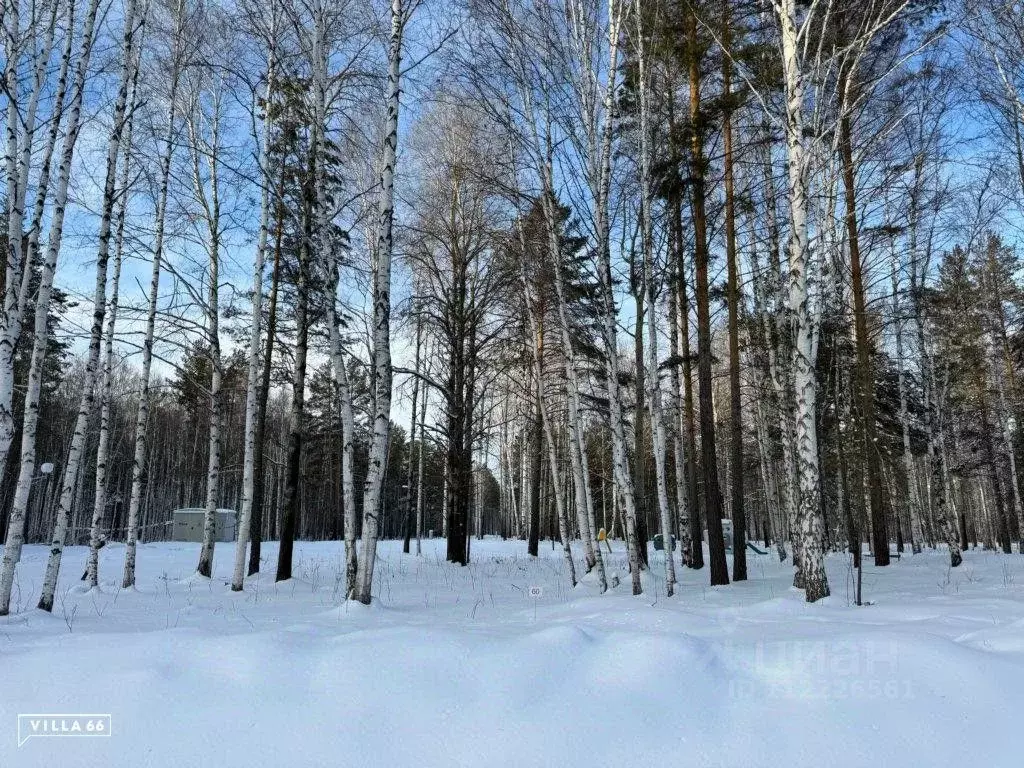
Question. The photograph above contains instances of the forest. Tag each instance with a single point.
(534, 270)
(581, 382)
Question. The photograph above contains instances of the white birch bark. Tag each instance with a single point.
(348, 427)
(810, 527)
(16, 520)
(679, 431)
(543, 153)
(785, 511)
(913, 501)
(998, 367)
(654, 403)
(620, 458)
(589, 31)
(85, 408)
(96, 537)
(381, 373)
(341, 383)
(576, 425)
(20, 133)
(210, 204)
(252, 395)
(942, 517)
(140, 476)
(549, 436)
(779, 367)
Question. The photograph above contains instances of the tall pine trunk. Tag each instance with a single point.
(739, 520)
(865, 369)
(709, 456)
(259, 493)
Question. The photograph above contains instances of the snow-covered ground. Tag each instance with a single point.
(461, 667)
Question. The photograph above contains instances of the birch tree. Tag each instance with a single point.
(658, 432)
(252, 388)
(809, 523)
(208, 195)
(599, 111)
(140, 476)
(380, 379)
(76, 453)
(96, 535)
(32, 43)
(15, 533)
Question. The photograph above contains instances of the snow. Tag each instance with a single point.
(461, 667)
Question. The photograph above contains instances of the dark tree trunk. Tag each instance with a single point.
(739, 520)
(259, 463)
(709, 457)
(696, 500)
(459, 417)
(292, 491)
(865, 371)
(536, 459)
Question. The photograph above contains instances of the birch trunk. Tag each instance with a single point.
(347, 481)
(20, 132)
(140, 476)
(96, 536)
(77, 449)
(341, 383)
(252, 388)
(654, 404)
(937, 490)
(211, 209)
(908, 458)
(556, 475)
(780, 370)
(620, 458)
(381, 374)
(410, 522)
(810, 528)
(577, 446)
(679, 450)
(18, 272)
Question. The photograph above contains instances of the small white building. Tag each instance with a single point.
(726, 533)
(188, 524)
